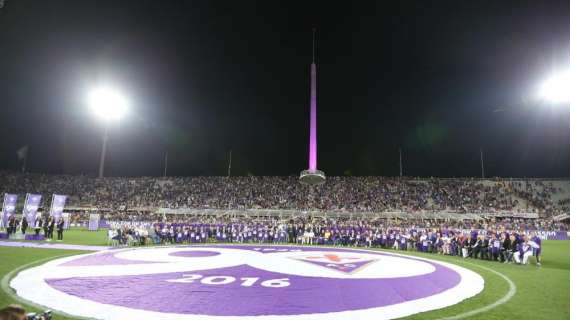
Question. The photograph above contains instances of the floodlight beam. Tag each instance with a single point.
(556, 88)
(107, 103)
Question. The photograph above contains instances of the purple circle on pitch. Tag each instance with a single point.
(305, 294)
(194, 254)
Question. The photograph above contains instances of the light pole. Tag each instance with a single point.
(482, 164)
(109, 105)
(103, 151)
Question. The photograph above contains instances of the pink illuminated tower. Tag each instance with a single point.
(312, 176)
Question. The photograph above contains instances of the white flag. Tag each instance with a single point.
(22, 152)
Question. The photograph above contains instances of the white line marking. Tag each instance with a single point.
(5, 285)
(512, 291)
(46, 245)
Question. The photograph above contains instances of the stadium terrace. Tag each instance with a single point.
(545, 198)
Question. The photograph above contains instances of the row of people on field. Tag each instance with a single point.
(45, 224)
(127, 235)
(487, 244)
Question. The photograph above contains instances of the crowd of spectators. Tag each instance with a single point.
(348, 194)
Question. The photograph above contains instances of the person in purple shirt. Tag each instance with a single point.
(474, 233)
(536, 250)
(524, 251)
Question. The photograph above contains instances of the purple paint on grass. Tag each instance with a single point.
(304, 295)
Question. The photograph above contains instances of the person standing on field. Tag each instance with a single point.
(51, 226)
(24, 224)
(60, 229)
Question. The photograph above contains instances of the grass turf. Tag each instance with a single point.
(80, 236)
(541, 292)
(13, 258)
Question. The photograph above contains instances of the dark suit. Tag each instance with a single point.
(46, 225)
(477, 245)
(485, 249)
(11, 225)
(60, 230)
(38, 225)
(505, 247)
(24, 225)
(51, 226)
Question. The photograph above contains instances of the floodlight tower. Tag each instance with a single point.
(313, 176)
(109, 105)
(556, 88)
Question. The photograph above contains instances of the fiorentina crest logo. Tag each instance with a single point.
(344, 262)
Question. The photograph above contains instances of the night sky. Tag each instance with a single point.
(438, 79)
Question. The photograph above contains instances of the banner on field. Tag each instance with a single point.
(66, 222)
(552, 235)
(31, 206)
(57, 205)
(94, 221)
(544, 235)
(8, 208)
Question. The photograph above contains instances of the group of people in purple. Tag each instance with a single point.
(491, 241)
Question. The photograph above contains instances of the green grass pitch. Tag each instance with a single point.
(541, 293)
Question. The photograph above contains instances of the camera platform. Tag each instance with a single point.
(312, 177)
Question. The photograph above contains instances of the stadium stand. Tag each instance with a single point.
(338, 194)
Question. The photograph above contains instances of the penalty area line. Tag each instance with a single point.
(512, 291)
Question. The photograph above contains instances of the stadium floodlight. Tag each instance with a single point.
(556, 88)
(108, 104)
